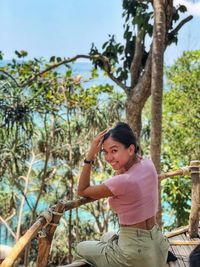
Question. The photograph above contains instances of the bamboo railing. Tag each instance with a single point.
(47, 222)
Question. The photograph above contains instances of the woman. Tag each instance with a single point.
(133, 195)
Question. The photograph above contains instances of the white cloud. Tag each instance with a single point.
(192, 7)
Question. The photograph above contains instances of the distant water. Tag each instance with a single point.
(83, 69)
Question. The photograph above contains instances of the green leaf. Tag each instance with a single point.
(1, 55)
(182, 8)
(52, 59)
(59, 59)
(68, 73)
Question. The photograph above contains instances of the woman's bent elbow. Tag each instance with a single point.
(80, 193)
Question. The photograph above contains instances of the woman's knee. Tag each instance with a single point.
(84, 248)
(80, 248)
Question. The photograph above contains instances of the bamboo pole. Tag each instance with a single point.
(23, 241)
(183, 171)
(77, 203)
(183, 243)
(195, 208)
(178, 231)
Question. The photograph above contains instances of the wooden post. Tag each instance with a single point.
(44, 244)
(195, 207)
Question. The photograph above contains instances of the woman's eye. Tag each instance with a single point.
(114, 150)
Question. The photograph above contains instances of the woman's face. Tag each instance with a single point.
(116, 154)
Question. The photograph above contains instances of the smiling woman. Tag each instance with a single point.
(133, 195)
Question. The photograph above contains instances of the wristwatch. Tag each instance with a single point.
(88, 161)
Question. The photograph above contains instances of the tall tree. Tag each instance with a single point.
(157, 87)
(145, 67)
(136, 54)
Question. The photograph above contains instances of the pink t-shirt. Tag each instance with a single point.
(135, 193)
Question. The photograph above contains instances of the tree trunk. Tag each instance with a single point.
(136, 98)
(195, 207)
(157, 87)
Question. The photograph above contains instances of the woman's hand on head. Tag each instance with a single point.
(96, 145)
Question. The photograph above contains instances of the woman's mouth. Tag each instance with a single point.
(113, 163)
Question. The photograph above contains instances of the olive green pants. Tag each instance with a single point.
(131, 247)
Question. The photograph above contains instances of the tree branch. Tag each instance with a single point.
(100, 57)
(8, 227)
(143, 86)
(19, 223)
(10, 216)
(136, 62)
(10, 76)
(178, 27)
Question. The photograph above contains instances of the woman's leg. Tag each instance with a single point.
(100, 253)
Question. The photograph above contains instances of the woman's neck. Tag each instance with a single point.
(129, 164)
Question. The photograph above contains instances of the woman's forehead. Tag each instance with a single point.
(110, 143)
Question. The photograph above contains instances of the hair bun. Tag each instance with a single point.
(124, 125)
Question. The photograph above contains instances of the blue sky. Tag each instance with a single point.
(68, 27)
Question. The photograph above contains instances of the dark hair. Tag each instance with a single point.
(123, 134)
(194, 257)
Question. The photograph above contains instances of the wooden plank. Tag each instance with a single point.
(76, 264)
(190, 247)
(174, 264)
(180, 253)
(186, 248)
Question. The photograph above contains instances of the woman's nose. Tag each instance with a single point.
(109, 157)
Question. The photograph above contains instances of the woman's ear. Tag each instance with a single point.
(131, 150)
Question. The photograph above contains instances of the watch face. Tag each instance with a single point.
(88, 161)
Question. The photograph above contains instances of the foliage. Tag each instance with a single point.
(181, 134)
(47, 121)
(176, 193)
(9, 203)
(138, 23)
(181, 127)
(50, 116)
(181, 130)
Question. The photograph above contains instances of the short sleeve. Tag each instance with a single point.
(116, 184)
